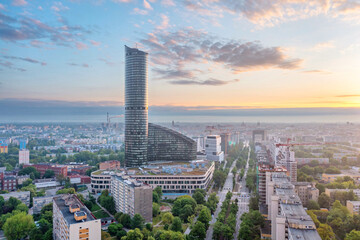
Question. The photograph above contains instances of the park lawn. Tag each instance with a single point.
(185, 226)
(100, 214)
(95, 208)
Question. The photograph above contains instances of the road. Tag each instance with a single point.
(228, 186)
(243, 198)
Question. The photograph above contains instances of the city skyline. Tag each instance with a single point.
(209, 55)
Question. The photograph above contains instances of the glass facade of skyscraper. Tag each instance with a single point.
(136, 107)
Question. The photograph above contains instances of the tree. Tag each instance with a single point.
(176, 225)
(105, 235)
(133, 235)
(326, 232)
(114, 228)
(212, 202)
(205, 217)
(167, 218)
(186, 212)
(180, 203)
(158, 191)
(254, 203)
(49, 174)
(313, 205)
(125, 220)
(353, 235)
(18, 226)
(199, 197)
(198, 232)
(156, 198)
(219, 178)
(156, 209)
(137, 222)
(324, 200)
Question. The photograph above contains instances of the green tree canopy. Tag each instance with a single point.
(18, 226)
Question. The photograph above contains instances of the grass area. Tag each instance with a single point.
(157, 219)
(100, 214)
(185, 226)
(95, 208)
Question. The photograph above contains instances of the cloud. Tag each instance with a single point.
(30, 60)
(40, 8)
(58, 7)
(209, 82)
(19, 2)
(348, 96)
(172, 53)
(79, 65)
(271, 13)
(95, 43)
(168, 3)
(2, 7)
(139, 11)
(164, 23)
(147, 5)
(122, 1)
(316, 71)
(81, 46)
(323, 45)
(10, 65)
(22, 28)
(107, 62)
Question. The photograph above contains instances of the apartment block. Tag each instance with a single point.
(73, 221)
(24, 197)
(40, 202)
(132, 196)
(110, 165)
(306, 192)
(288, 217)
(353, 207)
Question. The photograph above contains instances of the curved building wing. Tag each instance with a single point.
(165, 144)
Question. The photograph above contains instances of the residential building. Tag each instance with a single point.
(42, 167)
(73, 221)
(353, 206)
(3, 147)
(302, 161)
(288, 217)
(24, 156)
(306, 192)
(136, 107)
(213, 148)
(24, 197)
(9, 183)
(110, 165)
(101, 180)
(326, 177)
(330, 192)
(132, 196)
(165, 144)
(262, 169)
(40, 202)
(22, 178)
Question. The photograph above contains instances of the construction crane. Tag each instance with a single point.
(109, 122)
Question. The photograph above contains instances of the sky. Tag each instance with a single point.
(203, 55)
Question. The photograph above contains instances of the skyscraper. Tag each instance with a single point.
(136, 107)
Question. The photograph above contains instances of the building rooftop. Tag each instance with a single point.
(302, 234)
(67, 202)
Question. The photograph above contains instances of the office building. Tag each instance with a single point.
(24, 156)
(136, 107)
(165, 144)
(24, 197)
(213, 148)
(225, 140)
(353, 206)
(288, 217)
(101, 180)
(176, 178)
(132, 196)
(73, 221)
